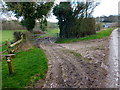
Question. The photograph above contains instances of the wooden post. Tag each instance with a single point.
(10, 66)
(9, 61)
(8, 47)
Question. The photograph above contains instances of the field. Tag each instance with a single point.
(8, 35)
(51, 33)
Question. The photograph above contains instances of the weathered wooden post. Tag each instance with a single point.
(8, 47)
(9, 61)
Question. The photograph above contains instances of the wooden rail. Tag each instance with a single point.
(8, 46)
(16, 43)
(4, 51)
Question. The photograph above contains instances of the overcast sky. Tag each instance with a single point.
(106, 7)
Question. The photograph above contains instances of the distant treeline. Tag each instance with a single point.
(108, 19)
(52, 25)
(49, 26)
(12, 25)
(16, 25)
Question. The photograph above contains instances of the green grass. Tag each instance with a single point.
(26, 65)
(51, 33)
(98, 35)
(8, 35)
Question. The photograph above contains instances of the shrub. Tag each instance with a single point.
(78, 28)
(98, 27)
(17, 36)
(86, 27)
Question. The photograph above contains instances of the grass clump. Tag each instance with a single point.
(76, 54)
(98, 35)
(26, 65)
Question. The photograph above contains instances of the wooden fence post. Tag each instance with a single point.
(9, 61)
(8, 47)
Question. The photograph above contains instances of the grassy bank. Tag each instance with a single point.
(27, 65)
(98, 35)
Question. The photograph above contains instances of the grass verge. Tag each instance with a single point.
(98, 35)
(26, 65)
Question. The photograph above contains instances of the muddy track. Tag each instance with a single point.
(66, 70)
